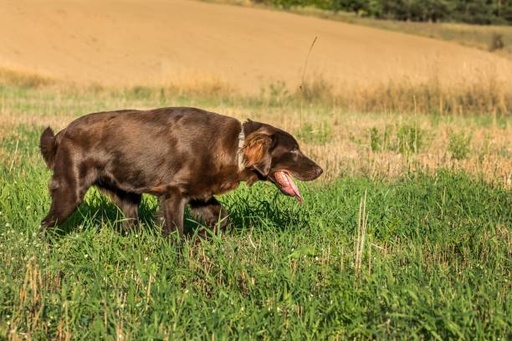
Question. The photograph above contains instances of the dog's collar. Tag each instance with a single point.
(240, 150)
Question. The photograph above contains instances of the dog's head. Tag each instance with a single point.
(275, 155)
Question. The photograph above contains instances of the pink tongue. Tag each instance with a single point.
(287, 186)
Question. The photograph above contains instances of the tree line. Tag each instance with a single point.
(484, 12)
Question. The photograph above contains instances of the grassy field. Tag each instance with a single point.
(407, 236)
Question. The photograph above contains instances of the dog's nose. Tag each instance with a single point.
(319, 171)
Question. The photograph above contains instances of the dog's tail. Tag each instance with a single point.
(48, 147)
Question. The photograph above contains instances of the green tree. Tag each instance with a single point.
(470, 11)
(355, 6)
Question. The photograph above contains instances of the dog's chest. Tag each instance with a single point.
(207, 185)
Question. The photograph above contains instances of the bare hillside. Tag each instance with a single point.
(153, 42)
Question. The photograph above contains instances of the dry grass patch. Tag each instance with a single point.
(24, 79)
(390, 143)
(480, 92)
(198, 84)
(344, 143)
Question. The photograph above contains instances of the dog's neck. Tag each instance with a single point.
(240, 157)
(247, 128)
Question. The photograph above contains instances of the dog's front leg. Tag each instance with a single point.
(172, 206)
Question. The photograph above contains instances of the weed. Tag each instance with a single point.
(316, 90)
(375, 140)
(380, 141)
(409, 139)
(140, 92)
(315, 135)
(459, 145)
(275, 94)
(496, 42)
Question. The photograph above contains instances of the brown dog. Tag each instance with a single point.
(181, 155)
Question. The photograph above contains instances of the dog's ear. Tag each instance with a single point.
(257, 152)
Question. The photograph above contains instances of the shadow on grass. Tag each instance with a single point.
(279, 213)
(98, 212)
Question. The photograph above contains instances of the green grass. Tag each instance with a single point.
(422, 256)
(417, 256)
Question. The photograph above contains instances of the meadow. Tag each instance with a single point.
(407, 236)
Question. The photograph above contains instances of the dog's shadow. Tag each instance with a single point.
(271, 214)
(98, 211)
